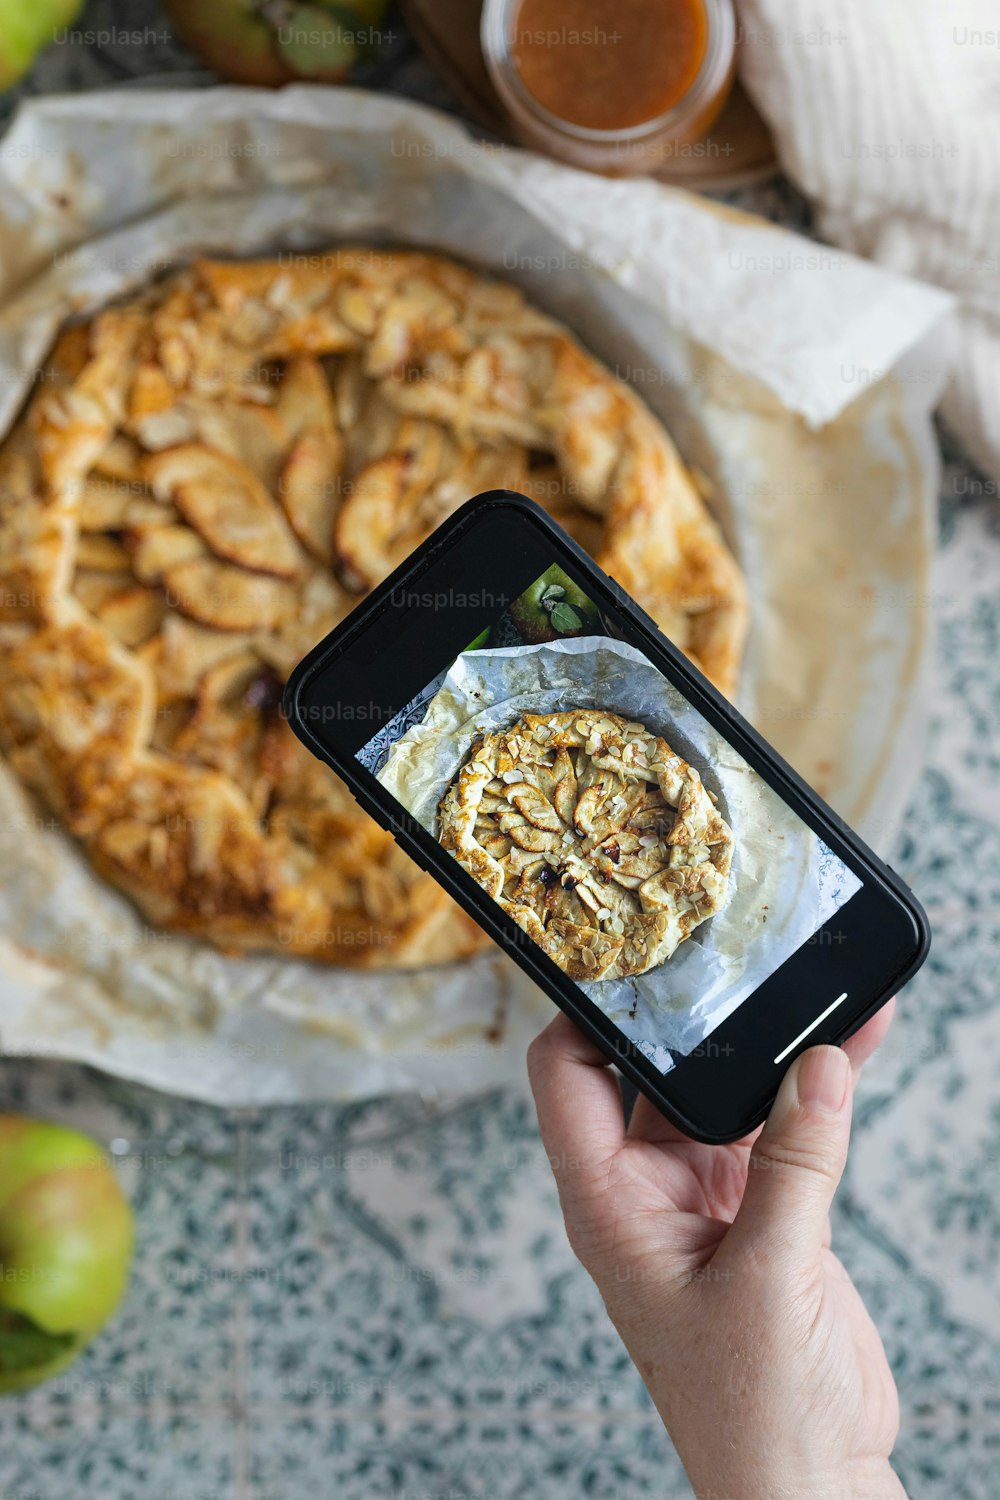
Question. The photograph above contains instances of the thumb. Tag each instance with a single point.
(797, 1161)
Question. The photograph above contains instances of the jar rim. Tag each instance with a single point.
(495, 35)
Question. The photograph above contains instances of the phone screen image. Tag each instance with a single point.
(616, 827)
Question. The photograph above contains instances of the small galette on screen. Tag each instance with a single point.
(603, 845)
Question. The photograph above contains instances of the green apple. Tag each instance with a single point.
(65, 1247)
(26, 26)
(554, 607)
(271, 42)
(232, 37)
(358, 13)
(314, 44)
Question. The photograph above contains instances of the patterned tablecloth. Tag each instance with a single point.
(375, 1302)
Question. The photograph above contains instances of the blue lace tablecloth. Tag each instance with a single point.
(366, 1302)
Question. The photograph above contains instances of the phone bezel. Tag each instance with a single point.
(885, 904)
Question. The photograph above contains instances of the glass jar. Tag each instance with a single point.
(642, 147)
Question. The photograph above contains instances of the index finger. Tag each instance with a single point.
(578, 1100)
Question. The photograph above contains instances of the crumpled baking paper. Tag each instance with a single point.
(743, 338)
(784, 883)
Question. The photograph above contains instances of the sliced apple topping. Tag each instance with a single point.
(121, 460)
(102, 504)
(368, 520)
(310, 488)
(229, 598)
(94, 588)
(134, 614)
(184, 652)
(155, 549)
(248, 431)
(304, 398)
(228, 506)
(102, 552)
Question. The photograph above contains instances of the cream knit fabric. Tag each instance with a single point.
(887, 115)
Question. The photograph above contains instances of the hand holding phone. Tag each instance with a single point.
(534, 742)
(714, 1264)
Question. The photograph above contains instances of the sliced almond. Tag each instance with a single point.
(293, 301)
(166, 429)
(228, 598)
(228, 506)
(359, 307)
(310, 488)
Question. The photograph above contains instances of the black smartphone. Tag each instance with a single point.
(533, 740)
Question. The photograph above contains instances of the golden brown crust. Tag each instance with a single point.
(201, 487)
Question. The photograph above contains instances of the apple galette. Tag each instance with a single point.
(602, 844)
(205, 480)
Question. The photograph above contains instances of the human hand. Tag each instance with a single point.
(715, 1265)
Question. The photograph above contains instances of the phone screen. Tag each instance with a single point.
(613, 823)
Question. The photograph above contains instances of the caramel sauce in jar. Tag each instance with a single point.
(614, 87)
(609, 67)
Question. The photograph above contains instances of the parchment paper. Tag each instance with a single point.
(784, 883)
(687, 302)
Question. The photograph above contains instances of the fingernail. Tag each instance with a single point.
(822, 1078)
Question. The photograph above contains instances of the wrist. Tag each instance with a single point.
(872, 1480)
